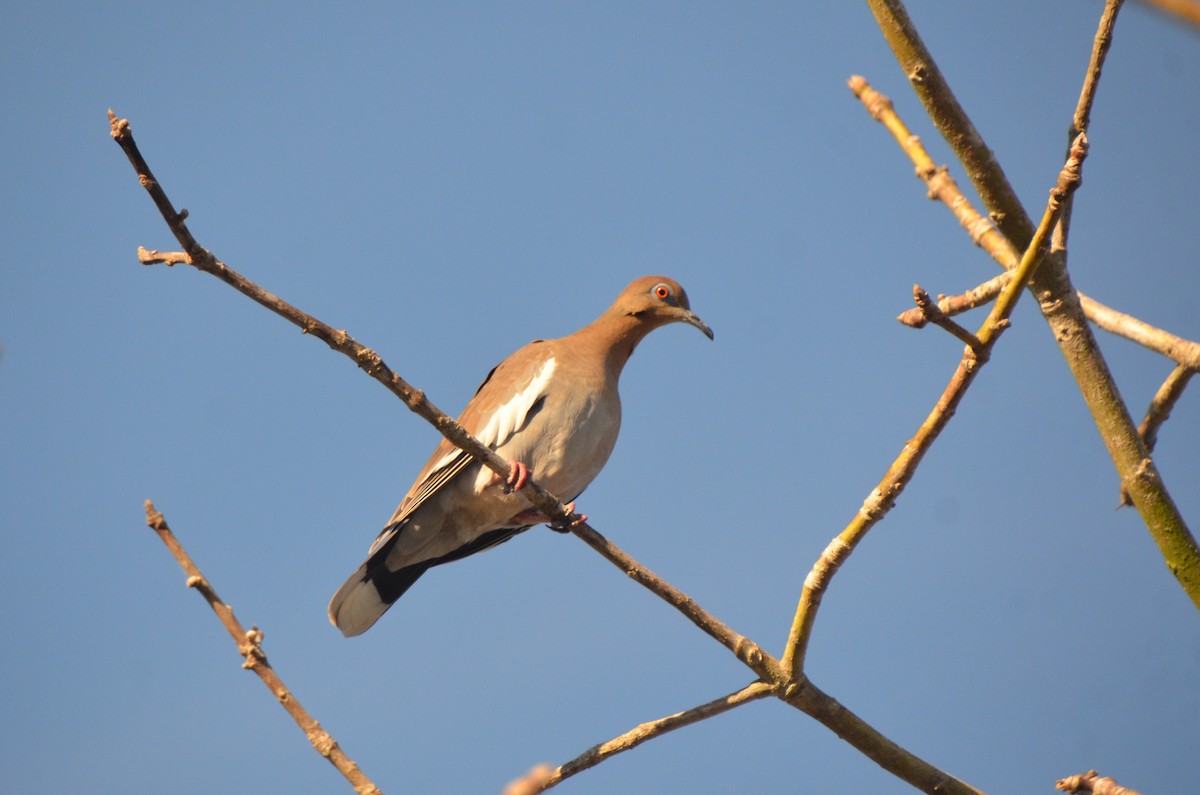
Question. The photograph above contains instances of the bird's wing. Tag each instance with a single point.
(513, 392)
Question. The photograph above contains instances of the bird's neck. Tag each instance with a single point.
(616, 334)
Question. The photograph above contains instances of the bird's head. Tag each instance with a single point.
(657, 301)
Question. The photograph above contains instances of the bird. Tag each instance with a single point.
(552, 409)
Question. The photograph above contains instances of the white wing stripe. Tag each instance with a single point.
(510, 416)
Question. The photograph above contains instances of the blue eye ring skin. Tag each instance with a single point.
(662, 292)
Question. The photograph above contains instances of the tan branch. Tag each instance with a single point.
(1183, 351)
(810, 700)
(655, 728)
(931, 313)
(1160, 410)
(1091, 77)
(1060, 304)
(883, 497)
(937, 179)
(1093, 783)
(942, 187)
(950, 305)
(1160, 407)
(1178, 349)
(249, 645)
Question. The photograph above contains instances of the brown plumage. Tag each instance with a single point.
(554, 406)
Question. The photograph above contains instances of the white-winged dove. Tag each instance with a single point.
(551, 408)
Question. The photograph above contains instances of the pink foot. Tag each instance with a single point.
(537, 517)
(518, 477)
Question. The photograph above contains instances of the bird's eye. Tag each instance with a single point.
(661, 291)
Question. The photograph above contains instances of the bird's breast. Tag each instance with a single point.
(569, 441)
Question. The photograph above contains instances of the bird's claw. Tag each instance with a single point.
(517, 478)
(573, 520)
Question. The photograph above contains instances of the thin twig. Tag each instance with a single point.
(249, 645)
(1093, 783)
(746, 650)
(950, 305)
(937, 178)
(1091, 78)
(655, 728)
(1083, 112)
(1159, 411)
(906, 766)
(1178, 349)
(1059, 303)
(883, 497)
(1182, 351)
(930, 313)
(985, 235)
(1160, 407)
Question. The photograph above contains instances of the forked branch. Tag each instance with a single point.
(883, 497)
(1057, 299)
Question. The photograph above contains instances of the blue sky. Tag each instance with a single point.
(450, 181)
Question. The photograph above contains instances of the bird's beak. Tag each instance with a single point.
(691, 318)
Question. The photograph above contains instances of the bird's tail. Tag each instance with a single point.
(371, 590)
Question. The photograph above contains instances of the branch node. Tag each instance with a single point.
(794, 689)
(748, 651)
(322, 741)
(155, 257)
(251, 649)
(932, 313)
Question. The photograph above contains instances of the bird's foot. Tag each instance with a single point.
(572, 520)
(534, 516)
(517, 478)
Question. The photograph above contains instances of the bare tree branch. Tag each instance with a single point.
(249, 645)
(1164, 400)
(1057, 299)
(984, 234)
(883, 497)
(1160, 410)
(940, 184)
(1091, 78)
(950, 305)
(655, 728)
(931, 313)
(1184, 352)
(878, 748)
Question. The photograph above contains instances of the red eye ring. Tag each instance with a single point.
(661, 291)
